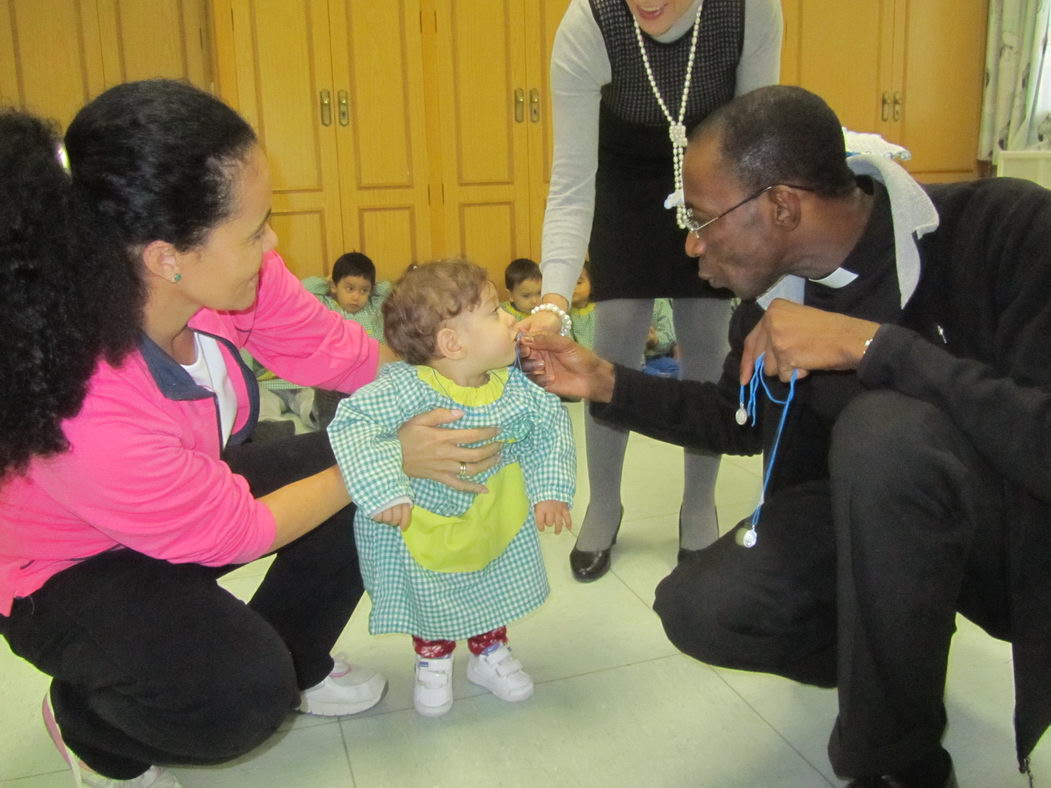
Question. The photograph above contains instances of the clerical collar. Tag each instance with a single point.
(841, 277)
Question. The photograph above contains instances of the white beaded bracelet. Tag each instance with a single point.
(567, 321)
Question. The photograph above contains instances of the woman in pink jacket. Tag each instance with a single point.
(135, 262)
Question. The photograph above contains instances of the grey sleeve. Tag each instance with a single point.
(579, 69)
(761, 55)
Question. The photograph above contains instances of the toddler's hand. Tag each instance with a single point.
(398, 515)
(554, 513)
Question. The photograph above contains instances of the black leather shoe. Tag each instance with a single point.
(588, 565)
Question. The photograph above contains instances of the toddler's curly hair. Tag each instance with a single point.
(423, 299)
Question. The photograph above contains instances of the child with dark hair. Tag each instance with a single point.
(353, 291)
(582, 309)
(522, 279)
(455, 565)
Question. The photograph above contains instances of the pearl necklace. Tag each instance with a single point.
(676, 128)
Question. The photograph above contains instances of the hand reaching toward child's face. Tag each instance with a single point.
(554, 513)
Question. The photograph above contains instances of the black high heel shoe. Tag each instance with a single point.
(589, 565)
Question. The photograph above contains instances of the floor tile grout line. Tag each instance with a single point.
(769, 724)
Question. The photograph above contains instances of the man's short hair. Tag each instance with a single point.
(354, 264)
(423, 299)
(521, 270)
(781, 134)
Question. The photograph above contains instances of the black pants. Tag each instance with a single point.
(855, 582)
(153, 662)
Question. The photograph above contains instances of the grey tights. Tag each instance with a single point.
(621, 326)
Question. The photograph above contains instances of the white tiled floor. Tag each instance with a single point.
(615, 704)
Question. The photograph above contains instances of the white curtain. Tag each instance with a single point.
(1016, 105)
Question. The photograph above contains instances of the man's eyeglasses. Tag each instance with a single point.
(695, 227)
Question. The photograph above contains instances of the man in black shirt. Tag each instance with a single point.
(912, 475)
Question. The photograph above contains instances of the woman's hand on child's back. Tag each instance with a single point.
(554, 513)
(430, 451)
(399, 515)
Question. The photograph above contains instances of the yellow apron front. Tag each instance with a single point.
(470, 541)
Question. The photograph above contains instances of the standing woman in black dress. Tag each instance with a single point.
(630, 79)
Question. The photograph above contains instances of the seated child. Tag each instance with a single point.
(582, 309)
(352, 291)
(455, 564)
(522, 278)
(660, 357)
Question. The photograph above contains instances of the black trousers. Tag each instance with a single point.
(855, 581)
(154, 663)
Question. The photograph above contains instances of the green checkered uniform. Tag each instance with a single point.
(369, 316)
(583, 332)
(406, 597)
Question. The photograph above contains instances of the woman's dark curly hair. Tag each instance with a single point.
(151, 160)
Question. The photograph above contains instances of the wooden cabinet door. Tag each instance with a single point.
(142, 39)
(542, 16)
(943, 69)
(842, 51)
(50, 56)
(910, 70)
(483, 107)
(381, 131)
(56, 56)
(275, 66)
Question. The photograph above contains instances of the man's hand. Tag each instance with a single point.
(554, 513)
(802, 338)
(563, 367)
(398, 515)
(430, 451)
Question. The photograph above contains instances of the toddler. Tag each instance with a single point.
(582, 309)
(522, 278)
(455, 564)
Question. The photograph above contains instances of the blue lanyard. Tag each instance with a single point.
(750, 410)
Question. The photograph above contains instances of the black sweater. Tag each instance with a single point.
(975, 340)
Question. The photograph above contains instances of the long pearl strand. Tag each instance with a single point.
(676, 128)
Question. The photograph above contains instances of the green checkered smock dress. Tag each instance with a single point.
(406, 597)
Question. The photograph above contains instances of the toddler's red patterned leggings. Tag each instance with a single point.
(433, 649)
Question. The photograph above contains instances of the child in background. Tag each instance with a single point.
(582, 309)
(660, 354)
(454, 565)
(522, 278)
(352, 291)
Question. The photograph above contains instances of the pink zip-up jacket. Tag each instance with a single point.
(144, 469)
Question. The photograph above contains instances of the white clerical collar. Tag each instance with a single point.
(841, 277)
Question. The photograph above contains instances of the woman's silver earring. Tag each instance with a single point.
(177, 278)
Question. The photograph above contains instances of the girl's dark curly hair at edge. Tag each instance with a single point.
(151, 160)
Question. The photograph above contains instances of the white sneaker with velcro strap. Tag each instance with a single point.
(432, 695)
(500, 673)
